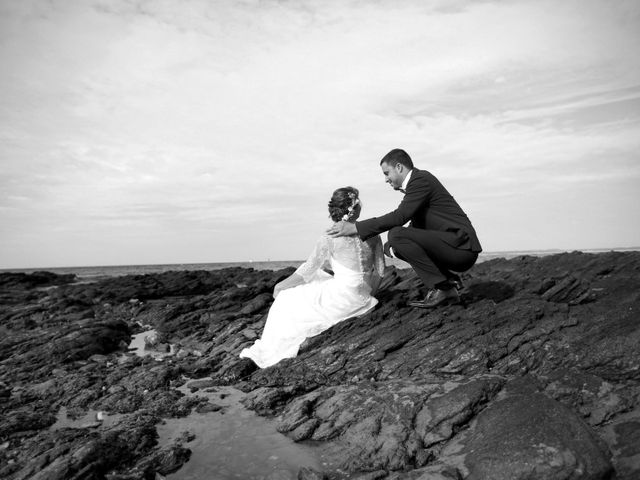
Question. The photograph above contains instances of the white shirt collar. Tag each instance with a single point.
(406, 180)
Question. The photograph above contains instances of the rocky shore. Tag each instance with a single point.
(536, 376)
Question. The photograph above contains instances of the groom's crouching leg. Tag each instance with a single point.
(394, 234)
(408, 249)
(404, 247)
(397, 243)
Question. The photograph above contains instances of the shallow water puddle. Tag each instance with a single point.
(235, 443)
(138, 345)
(232, 443)
(91, 419)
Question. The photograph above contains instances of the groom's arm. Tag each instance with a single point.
(366, 228)
(419, 191)
(418, 194)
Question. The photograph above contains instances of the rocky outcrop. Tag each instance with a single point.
(535, 376)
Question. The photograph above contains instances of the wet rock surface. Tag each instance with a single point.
(536, 376)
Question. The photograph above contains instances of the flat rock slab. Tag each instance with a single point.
(529, 437)
(386, 425)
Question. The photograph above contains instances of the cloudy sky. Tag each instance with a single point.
(135, 132)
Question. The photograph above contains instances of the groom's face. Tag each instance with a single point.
(394, 176)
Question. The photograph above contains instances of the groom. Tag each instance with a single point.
(440, 238)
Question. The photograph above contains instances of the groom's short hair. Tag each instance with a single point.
(396, 156)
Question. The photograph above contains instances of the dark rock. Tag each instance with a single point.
(569, 290)
(445, 414)
(310, 474)
(75, 454)
(488, 289)
(25, 420)
(399, 393)
(208, 407)
(435, 471)
(591, 396)
(163, 462)
(267, 401)
(237, 371)
(5, 391)
(203, 383)
(623, 437)
(27, 281)
(532, 437)
(386, 425)
(257, 304)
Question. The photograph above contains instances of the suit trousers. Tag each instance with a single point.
(428, 252)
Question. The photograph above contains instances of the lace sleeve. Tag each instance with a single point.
(378, 256)
(318, 257)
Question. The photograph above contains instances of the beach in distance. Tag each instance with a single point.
(536, 376)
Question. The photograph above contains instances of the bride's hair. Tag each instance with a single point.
(342, 203)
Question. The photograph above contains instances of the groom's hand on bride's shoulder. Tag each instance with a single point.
(334, 230)
(341, 229)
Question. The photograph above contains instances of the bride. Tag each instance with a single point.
(311, 300)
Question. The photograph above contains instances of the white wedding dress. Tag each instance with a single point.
(324, 300)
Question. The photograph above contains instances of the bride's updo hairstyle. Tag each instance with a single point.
(342, 203)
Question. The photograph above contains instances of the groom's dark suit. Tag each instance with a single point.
(440, 237)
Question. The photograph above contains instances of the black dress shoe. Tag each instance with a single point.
(437, 297)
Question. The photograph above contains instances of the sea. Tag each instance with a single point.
(95, 273)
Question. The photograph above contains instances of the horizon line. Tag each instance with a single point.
(496, 252)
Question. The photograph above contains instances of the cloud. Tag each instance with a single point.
(244, 116)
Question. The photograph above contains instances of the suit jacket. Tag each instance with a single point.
(429, 206)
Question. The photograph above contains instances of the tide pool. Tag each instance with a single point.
(235, 443)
